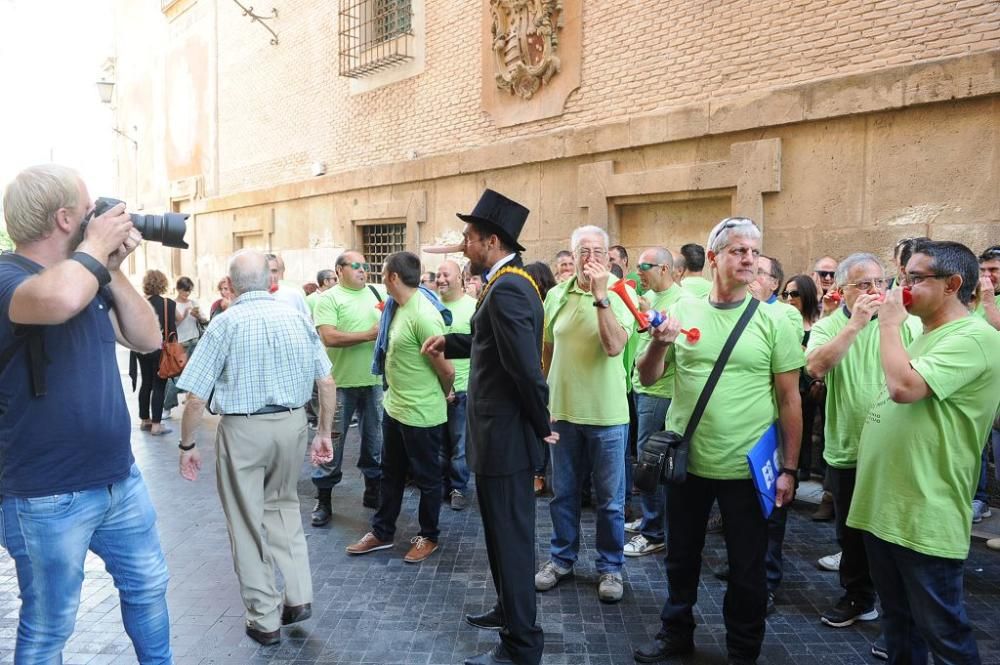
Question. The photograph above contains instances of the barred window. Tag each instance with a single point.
(374, 35)
(379, 241)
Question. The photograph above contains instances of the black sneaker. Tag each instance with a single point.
(847, 611)
(662, 647)
(879, 649)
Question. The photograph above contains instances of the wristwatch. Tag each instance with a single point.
(792, 472)
(602, 303)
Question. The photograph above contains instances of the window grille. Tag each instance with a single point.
(374, 35)
(379, 241)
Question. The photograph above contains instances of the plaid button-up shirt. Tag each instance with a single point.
(258, 352)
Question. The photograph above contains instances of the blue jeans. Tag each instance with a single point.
(995, 437)
(48, 538)
(981, 494)
(652, 413)
(454, 470)
(367, 402)
(922, 605)
(583, 449)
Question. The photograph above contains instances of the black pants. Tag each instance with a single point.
(507, 505)
(745, 603)
(775, 541)
(417, 450)
(855, 575)
(152, 388)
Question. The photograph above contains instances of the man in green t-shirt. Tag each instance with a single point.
(454, 470)
(585, 334)
(843, 351)
(651, 402)
(326, 279)
(691, 278)
(758, 386)
(989, 278)
(346, 319)
(415, 409)
(919, 455)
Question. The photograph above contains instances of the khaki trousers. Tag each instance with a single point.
(257, 467)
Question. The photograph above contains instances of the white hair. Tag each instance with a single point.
(741, 227)
(856, 259)
(249, 271)
(581, 232)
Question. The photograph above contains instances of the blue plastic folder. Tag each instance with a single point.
(765, 467)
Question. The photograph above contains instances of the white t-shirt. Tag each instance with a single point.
(187, 329)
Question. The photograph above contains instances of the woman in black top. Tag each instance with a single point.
(802, 293)
(151, 390)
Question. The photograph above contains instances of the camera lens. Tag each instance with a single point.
(168, 228)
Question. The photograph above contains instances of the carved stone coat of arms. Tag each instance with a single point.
(525, 43)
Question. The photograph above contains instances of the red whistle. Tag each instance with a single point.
(380, 305)
(653, 319)
(834, 296)
(907, 297)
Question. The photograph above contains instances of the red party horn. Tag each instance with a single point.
(653, 318)
(907, 297)
(380, 305)
(630, 282)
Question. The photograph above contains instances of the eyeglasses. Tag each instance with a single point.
(587, 252)
(915, 278)
(867, 284)
(789, 294)
(761, 272)
(826, 274)
(648, 266)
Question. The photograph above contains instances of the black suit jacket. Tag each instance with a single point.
(507, 407)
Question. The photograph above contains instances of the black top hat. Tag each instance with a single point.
(501, 215)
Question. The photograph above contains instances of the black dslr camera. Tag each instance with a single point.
(168, 228)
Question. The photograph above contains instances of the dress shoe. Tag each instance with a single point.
(487, 621)
(263, 637)
(295, 613)
(368, 543)
(497, 654)
(422, 548)
(662, 647)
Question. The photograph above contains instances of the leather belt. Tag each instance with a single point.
(270, 408)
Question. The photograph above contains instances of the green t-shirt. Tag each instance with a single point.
(918, 464)
(349, 310)
(461, 322)
(852, 385)
(312, 299)
(664, 387)
(790, 314)
(586, 386)
(699, 287)
(414, 396)
(630, 352)
(980, 311)
(743, 404)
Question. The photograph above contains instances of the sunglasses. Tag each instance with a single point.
(648, 266)
(826, 274)
(355, 265)
(789, 294)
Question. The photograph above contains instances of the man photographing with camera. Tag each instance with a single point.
(68, 480)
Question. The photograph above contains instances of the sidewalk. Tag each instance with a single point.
(376, 609)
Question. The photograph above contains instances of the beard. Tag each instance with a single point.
(76, 238)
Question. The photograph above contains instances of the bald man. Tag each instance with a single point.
(453, 467)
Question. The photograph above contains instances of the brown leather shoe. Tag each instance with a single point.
(368, 543)
(422, 548)
(263, 637)
(824, 511)
(295, 613)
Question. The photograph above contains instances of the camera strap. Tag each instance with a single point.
(720, 364)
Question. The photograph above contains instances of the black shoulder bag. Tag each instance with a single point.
(665, 455)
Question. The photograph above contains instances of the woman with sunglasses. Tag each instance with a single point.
(801, 293)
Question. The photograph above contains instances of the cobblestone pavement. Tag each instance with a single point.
(377, 609)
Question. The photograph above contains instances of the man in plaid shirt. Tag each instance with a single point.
(257, 364)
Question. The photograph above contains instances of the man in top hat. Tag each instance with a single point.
(507, 417)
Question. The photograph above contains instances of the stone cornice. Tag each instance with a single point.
(962, 77)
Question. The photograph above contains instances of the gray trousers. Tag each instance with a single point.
(257, 466)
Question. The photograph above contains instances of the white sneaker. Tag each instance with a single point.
(550, 575)
(830, 562)
(634, 526)
(980, 510)
(639, 546)
(993, 543)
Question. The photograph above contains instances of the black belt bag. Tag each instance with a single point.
(664, 456)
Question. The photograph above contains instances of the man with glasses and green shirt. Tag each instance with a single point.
(758, 387)
(843, 350)
(586, 329)
(346, 318)
(651, 402)
(989, 278)
(920, 452)
(455, 471)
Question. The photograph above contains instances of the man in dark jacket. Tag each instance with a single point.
(507, 417)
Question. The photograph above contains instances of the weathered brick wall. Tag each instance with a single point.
(282, 108)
